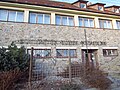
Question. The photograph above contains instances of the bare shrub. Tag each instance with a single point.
(89, 75)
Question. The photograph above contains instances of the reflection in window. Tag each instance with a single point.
(66, 53)
(41, 53)
(86, 22)
(110, 52)
(39, 18)
(82, 5)
(64, 20)
(100, 8)
(105, 23)
(10, 15)
(118, 24)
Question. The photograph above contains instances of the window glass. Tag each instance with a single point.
(19, 17)
(40, 53)
(64, 20)
(82, 5)
(32, 18)
(105, 24)
(40, 18)
(66, 52)
(71, 21)
(100, 8)
(12, 16)
(3, 15)
(47, 19)
(81, 22)
(86, 22)
(58, 20)
(118, 24)
(91, 23)
(110, 52)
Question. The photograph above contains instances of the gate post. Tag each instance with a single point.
(70, 74)
(30, 69)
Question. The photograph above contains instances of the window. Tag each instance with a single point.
(39, 18)
(66, 52)
(100, 8)
(86, 22)
(118, 24)
(116, 10)
(41, 53)
(110, 52)
(105, 24)
(64, 20)
(10, 15)
(82, 5)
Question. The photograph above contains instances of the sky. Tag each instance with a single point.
(107, 2)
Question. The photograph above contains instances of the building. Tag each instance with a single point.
(59, 30)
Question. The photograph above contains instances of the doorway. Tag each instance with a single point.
(91, 55)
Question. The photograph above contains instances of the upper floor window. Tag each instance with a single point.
(66, 53)
(116, 10)
(86, 22)
(39, 18)
(64, 20)
(82, 5)
(100, 8)
(110, 52)
(41, 53)
(118, 24)
(105, 23)
(11, 15)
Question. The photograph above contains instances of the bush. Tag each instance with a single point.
(12, 58)
(89, 75)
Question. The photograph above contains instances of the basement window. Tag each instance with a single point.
(110, 52)
(65, 53)
(40, 53)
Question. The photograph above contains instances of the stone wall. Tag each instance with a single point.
(36, 35)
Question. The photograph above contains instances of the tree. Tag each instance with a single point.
(13, 57)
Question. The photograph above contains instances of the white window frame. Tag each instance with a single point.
(16, 13)
(43, 17)
(81, 5)
(101, 21)
(61, 20)
(88, 20)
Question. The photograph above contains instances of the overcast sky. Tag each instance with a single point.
(107, 2)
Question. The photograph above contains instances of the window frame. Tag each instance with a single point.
(100, 8)
(103, 21)
(81, 5)
(88, 21)
(17, 12)
(110, 52)
(118, 24)
(67, 53)
(37, 17)
(61, 20)
(35, 56)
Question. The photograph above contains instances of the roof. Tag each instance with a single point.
(83, 1)
(63, 5)
(97, 4)
(113, 6)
